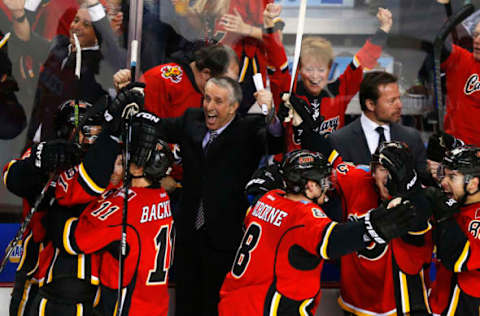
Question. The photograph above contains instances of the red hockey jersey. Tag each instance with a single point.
(381, 279)
(170, 90)
(277, 266)
(464, 275)
(463, 95)
(149, 240)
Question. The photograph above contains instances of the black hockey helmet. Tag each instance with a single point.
(159, 162)
(265, 179)
(69, 116)
(465, 159)
(302, 165)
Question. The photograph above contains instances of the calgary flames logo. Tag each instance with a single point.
(173, 73)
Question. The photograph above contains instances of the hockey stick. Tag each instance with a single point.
(78, 64)
(18, 237)
(447, 27)
(448, 10)
(126, 185)
(298, 47)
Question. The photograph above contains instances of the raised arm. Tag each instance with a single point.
(21, 25)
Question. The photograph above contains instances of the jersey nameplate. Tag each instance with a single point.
(269, 214)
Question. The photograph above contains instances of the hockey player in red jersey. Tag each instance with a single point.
(382, 279)
(326, 102)
(385, 279)
(174, 87)
(26, 177)
(149, 229)
(456, 211)
(277, 267)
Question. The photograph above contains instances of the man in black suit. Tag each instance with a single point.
(379, 122)
(220, 152)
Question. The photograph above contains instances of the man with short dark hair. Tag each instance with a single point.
(456, 213)
(379, 122)
(220, 150)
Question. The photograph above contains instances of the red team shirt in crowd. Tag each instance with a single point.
(463, 95)
(333, 100)
(149, 240)
(464, 278)
(381, 277)
(250, 51)
(277, 267)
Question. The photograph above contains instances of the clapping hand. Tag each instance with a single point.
(234, 23)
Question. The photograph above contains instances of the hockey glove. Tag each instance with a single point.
(402, 177)
(128, 102)
(383, 225)
(263, 180)
(145, 133)
(443, 207)
(439, 143)
(298, 110)
(56, 155)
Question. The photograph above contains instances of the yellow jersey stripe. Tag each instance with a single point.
(424, 291)
(43, 307)
(356, 62)
(24, 252)
(91, 184)
(454, 302)
(244, 69)
(5, 174)
(81, 266)
(26, 292)
(97, 297)
(421, 232)
(50, 272)
(94, 280)
(248, 210)
(275, 302)
(404, 292)
(302, 309)
(40, 249)
(66, 236)
(333, 156)
(4, 39)
(79, 309)
(323, 247)
(463, 258)
(254, 65)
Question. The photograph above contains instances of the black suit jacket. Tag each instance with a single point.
(218, 177)
(351, 143)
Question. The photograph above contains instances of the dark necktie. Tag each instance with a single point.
(213, 135)
(380, 131)
(200, 218)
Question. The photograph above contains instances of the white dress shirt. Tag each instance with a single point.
(371, 134)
